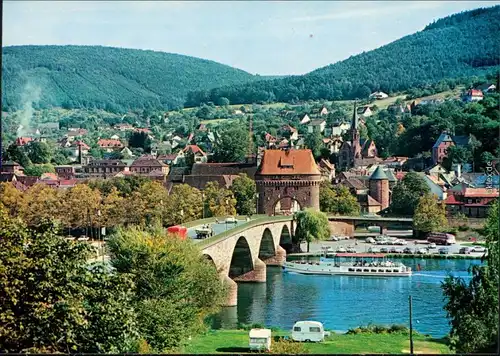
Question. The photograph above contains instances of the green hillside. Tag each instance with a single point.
(107, 78)
(458, 46)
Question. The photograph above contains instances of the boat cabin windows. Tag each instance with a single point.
(365, 270)
(395, 270)
(351, 269)
(297, 328)
(373, 270)
(358, 270)
(388, 270)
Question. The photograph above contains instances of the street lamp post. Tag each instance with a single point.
(411, 326)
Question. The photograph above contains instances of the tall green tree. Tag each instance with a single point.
(51, 300)
(311, 225)
(218, 201)
(430, 215)
(140, 140)
(231, 144)
(406, 194)
(17, 154)
(472, 306)
(337, 200)
(39, 152)
(314, 141)
(175, 287)
(244, 190)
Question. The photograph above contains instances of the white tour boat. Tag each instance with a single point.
(363, 265)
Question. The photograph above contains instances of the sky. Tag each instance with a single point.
(261, 37)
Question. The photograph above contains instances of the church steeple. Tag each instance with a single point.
(355, 121)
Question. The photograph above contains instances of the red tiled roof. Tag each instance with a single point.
(270, 138)
(145, 130)
(109, 143)
(451, 200)
(68, 182)
(480, 193)
(49, 176)
(21, 141)
(400, 175)
(193, 148)
(287, 162)
(474, 92)
(82, 144)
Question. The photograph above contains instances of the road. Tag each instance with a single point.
(218, 228)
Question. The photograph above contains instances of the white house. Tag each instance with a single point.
(305, 120)
(316, 126)
(379, 95)
(365, 111)
(323, 111)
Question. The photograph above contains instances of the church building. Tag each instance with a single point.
(358, 151)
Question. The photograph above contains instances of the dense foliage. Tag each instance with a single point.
(461, 45)
(116, 202)
(175, 287)
(430, 215)
(244, 190)
(406, 194)
(108, 78)
(52, 300)
(472, 306)
(337, 200)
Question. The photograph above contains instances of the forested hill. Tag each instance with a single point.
(106, 77)
(461, 45)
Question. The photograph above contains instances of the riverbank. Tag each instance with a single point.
(295, 256)
(236, 342)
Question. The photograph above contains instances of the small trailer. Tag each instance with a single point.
(260, 339)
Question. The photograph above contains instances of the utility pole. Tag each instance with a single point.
(411, 327)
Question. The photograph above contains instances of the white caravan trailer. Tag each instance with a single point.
(312, 331)
(260, 339)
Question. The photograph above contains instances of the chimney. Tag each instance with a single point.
(80, 154)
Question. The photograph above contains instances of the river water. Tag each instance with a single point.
(344, 302)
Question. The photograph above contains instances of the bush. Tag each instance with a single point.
(463, 228)
(380, 329)
(286, 347)
(243, 326)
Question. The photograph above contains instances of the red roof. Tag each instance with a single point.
(21, 141)
(400, 175)
(474, 92)
(480, 193)
(451, 200)
(81, 144)
(193, 148)
(109, 143)
(288, 162)
(270, 138)
(145, 130)
(361, 255)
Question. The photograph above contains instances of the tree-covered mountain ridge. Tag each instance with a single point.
(457, 46)
(107, 77)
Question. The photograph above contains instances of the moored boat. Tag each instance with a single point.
(361, 265)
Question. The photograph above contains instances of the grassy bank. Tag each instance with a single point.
(236, 341)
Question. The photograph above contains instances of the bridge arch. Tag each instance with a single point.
(241, 260)
(210, 260)
(267, 248)
(286, 238)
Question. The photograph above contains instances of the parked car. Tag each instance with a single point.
(334, 238)
(407, 250)
(384, 250)
(444, 251)
(351, 249)
(398, 250)
(370, 240)
(373, 250)
(341, 250)
(422, 251)
(479, 249)
(393, 250)
(432, 245)
(465, 251)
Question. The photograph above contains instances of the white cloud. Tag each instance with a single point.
(370, 10)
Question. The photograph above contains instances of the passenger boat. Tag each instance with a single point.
(368, 265)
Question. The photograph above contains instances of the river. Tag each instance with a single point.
(344, 302)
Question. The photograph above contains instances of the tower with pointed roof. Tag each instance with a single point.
(379, 187)
(356, 147)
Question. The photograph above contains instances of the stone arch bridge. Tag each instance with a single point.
(242, 253)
